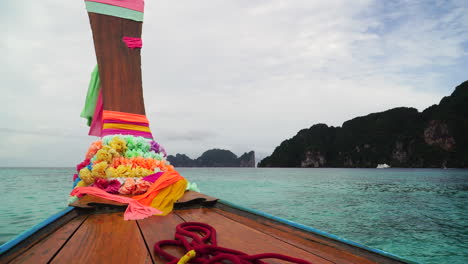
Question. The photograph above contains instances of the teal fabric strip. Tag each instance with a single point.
(91, 96)
(116, 11)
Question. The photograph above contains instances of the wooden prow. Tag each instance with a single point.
(119, 66)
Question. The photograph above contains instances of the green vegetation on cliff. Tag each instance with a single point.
(214, 158)
(400, 137)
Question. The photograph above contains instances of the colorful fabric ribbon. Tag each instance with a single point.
(124, 122)
(91, 96)
(126, 126)
(96, 125)
(115, 122)
(162, 182)
(133, 43)
(116, 11)
(137, 5)
(109, 132)
(121, 116)
(153, 177)
(159, 199)
(135, 209)
(166, 198)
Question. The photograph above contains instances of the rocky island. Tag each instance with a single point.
(400, 137)
(214, 158)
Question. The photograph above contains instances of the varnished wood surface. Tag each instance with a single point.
(46, 248)
(232, 234)
(274, 228)
(107, 238)
(25, 245)
(155, 229)
(119, 66)
(310, 244)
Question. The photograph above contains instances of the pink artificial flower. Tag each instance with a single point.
(141, 186)
(101, 183)
(83, 164)
(113, 187)
(128, 187)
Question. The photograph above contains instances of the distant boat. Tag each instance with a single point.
(383, 166)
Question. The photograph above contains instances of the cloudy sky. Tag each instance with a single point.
(240, 75)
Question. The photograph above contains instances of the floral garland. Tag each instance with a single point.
(119, 163)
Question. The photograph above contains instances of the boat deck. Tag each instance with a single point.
(104, 237)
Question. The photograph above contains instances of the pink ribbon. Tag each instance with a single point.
(112, 131)
(96, 125)
(135, 209)
(133, 42)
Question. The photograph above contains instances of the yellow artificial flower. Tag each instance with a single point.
(104, 154)
(118, 144)
(111, 173)
(124, 171)
(86, 177)
(81, 184)
(99, 170)
(141, 172)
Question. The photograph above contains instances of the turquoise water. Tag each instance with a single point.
(420, 214)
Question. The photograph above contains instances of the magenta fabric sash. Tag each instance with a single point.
(115, 122)
(107, 132)
(133, 43)
(153, 177)
(96, 125)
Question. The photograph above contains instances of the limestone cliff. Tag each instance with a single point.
(247, 159)
(400, 137)
(214, 158)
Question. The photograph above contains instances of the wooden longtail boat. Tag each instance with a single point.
(93, 230)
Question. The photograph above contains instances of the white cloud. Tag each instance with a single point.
(242, 75)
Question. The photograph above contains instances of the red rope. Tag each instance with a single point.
(207, 250)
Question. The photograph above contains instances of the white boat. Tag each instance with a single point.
(383, 166)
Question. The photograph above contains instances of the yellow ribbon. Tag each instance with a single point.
(166, 198)
(187, 257)
(126, 126)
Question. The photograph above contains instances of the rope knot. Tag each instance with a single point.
(201, 249)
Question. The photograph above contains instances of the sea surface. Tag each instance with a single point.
(418, 214)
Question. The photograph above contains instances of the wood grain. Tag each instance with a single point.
(105, 238)
(157, 228)
(44, 250)
(365, 254)
(310, 245)
(191, 195)
(26, 244)
(119, 66)
(232, 234)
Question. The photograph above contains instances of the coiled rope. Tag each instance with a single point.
(205, 250)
